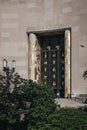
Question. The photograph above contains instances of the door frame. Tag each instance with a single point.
(52, 32)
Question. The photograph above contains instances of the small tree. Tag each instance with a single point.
(12, 102)
(26, 103)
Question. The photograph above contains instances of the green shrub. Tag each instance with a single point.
(68, 119)
(12, 102)
(30, 106)
(27, 104)
(63, 119)
(42, 105)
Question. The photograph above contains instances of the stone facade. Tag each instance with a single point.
(17, 17)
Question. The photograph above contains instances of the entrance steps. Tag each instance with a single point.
(82, 98)
(63, 102)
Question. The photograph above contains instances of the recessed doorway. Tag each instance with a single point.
(49, 59)
(53, 62)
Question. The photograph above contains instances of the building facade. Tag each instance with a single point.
(48, 40)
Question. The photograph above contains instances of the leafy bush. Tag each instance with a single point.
(42, 105)
(12, 102)
(63, 119)
(26, 105)
(24, 102)
(68, 119)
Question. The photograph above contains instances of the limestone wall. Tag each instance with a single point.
(17, 17)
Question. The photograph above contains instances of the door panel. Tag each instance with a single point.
(52, 62)
(52, 69)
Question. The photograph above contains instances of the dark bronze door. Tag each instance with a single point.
(52, 62)
(52, 69)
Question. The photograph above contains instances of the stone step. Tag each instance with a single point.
(63, 102)
(81, 99)
(83, 95)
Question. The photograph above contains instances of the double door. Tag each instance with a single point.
(52, 69)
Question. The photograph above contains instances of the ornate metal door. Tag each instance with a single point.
(52, 68)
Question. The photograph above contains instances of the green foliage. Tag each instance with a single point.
(12, 101)
(24, 102)
(42, 105)
(63, 119)
(68, 119)
(26, 105)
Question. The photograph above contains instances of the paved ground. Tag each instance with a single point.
(69, 103)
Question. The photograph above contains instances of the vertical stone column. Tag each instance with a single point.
(67, 63)
(33, 65)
